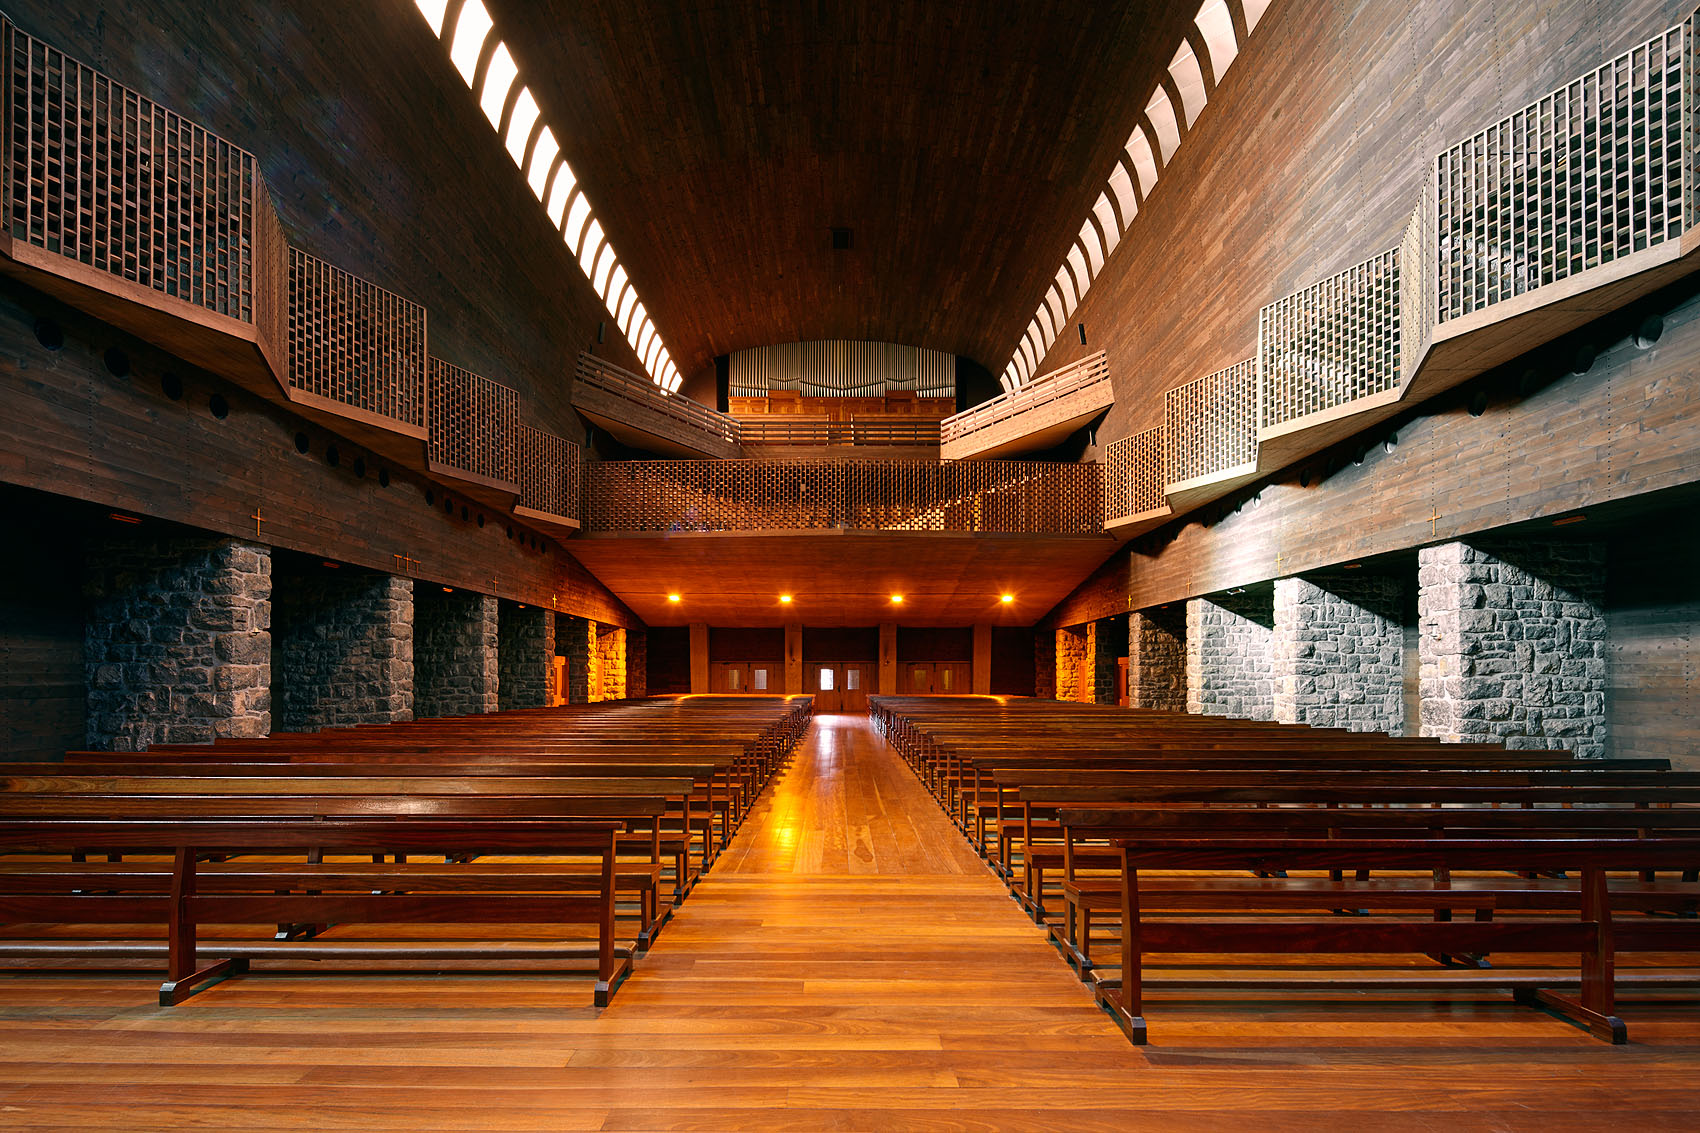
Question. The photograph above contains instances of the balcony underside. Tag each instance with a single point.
(641, 428)
(840, 577)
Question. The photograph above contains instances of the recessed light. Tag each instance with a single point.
(448, 590)
(897, 599)
(672, 597)
(785, 599)
(1007, 599)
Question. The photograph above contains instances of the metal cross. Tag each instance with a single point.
(256, 517)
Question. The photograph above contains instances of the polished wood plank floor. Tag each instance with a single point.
(849, 964)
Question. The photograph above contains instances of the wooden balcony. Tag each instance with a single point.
(640, 413)
(1034, 417)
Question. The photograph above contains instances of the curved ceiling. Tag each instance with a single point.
(722, 142)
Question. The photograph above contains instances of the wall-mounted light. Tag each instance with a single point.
(328, 565)
(120, 517)
(448, 590)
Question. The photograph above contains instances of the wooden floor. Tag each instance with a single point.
(849, 964)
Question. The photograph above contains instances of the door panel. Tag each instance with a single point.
(951, 677)
(915, 678)
(826, 682)
(854, 694)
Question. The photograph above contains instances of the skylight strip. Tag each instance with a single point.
(1171, 125)
(483, 61)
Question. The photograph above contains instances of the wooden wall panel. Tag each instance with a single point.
(669, 660)
(43, 695)
(70, 427)
(1653, 625)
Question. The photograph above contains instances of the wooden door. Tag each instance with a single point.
(826, 682)
(952, 678)
(915, 678)
(1124, 694)
(1087, 686)
(766, 676)
(729, 676)
(854, 692)
(558, 682)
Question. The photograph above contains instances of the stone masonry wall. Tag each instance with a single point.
(1513, 644)
(1339, 653)
(455, 653)
(1229, 651)
(525, 655)
(577, 639)
(342, 649)
(611, 662)
(1101, 644)
(177, 647)
(1071, 651)
(1156, 659)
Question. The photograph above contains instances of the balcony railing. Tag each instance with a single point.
(1016, 497)
(1331, 344)
(97, 174)
(355, 344)
(551, 477)
(883, 432)
(1210, 426)
(1599, 169)
(1042, 393)
(1133, 476)
(635, 390)
(474, 423)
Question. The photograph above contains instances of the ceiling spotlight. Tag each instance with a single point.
(785, 599)
(448, 590)
(672, 597)
(897, 599)
(1007, 599)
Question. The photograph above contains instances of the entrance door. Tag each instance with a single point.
(736, 676)
(916, 678)
(854, 686)
(827, 683)
(951, 677)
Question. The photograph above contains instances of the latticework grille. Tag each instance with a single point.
(1211, 424)
(98, 174)
(1416, 283)
(1022, 497)
(1592, 172)
(1133, 475)
(1332, 343)
(354, 343)
(551, 473)
(473, 421)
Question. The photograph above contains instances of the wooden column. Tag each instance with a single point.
(699, 657)
(794, 657)
(981, 682)
(888, 658)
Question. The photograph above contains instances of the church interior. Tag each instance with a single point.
(1160, 584)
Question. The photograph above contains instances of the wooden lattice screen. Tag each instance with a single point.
(473, 422)
(1211, 424)
(550, 473)
(1594, 171)
(1133, 475)
(872, 495)
(1331, 344)
(98, 174)
(354, 343)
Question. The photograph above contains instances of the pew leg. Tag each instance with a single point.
(1594, 1007)
(1127, 1005)
(183, 979)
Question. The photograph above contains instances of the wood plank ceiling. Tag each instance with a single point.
(720, 142)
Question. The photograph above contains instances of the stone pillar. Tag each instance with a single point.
(177, 645)
(1513, 644)
(1071, 650)
(1156, 659)
(455, 653)
(637, 661)
(342, 648)
(700, 680)
(1339, 653)
(1044, 665)
(525, 655)
(577, 646)
(611, 662)
(1229, 651)
(888, 659)
(982, 671)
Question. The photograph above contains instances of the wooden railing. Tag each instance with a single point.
(1033, 396)
(1133, 476)
(1210, 426)
(551, 477)
(1016, 497)
(780, 431)
(474, 423)
(1599, 169)
(353, 343)
(639, 390)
